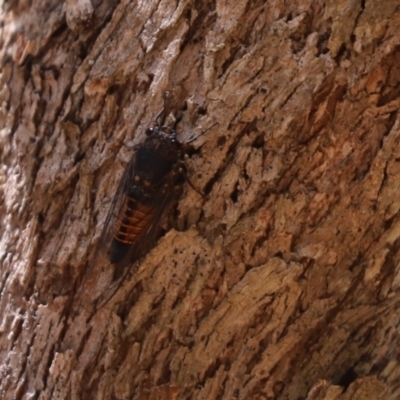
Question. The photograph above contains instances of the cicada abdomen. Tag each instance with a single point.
(133, 220)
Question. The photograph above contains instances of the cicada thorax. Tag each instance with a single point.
(155, 176)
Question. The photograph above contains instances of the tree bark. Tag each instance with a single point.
(282, 280)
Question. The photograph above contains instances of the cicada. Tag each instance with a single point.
(150, 184)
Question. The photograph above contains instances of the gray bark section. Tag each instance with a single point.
(282, 282)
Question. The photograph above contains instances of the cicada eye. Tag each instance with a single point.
(149, 131)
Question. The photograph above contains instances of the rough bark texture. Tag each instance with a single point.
(282, 282)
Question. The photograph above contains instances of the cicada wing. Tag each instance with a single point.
(163, 200)
(102, 249)
(97, 276)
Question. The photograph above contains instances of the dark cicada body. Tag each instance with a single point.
(151, 181)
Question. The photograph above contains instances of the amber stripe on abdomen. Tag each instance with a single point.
(133, 219)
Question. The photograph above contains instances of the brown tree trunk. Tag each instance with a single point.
(282, 281)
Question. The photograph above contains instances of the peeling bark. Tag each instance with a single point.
(282, 281)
